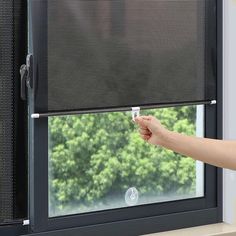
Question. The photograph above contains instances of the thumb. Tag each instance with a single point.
(141, 121)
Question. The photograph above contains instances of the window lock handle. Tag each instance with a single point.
(26, 76)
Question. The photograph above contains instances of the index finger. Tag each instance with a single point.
(140, 121)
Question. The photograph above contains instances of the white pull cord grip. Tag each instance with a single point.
(135, 112)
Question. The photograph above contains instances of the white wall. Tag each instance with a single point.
(229, 105)
(200, 165)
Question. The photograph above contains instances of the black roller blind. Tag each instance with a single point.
(93, 54)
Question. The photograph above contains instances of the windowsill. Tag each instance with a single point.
(206, 230)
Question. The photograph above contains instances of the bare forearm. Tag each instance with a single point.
(215, 152)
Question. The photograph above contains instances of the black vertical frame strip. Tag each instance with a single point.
(38, 128)
(219, 112)
(38, 204)
(213, 114)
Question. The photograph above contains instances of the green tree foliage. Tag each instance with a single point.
(95, 156)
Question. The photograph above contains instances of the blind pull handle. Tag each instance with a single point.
(135, 112)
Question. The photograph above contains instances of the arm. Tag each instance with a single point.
(216, 152)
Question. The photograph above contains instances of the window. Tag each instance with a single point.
(89, 63)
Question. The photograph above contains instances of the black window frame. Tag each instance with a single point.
(134, 220)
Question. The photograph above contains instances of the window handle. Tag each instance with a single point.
(23, 76)
(26, 74)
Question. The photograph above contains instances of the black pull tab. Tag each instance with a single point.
(23, 75)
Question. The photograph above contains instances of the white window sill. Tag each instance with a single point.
(206, 230)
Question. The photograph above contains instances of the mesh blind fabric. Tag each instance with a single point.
(6, 110)
(12, 44)
(104, 54)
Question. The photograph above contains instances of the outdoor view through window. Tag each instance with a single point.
(99, 162)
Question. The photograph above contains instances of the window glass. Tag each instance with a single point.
(98, 162)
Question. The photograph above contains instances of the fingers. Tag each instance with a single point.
(142, 121)
(145, 117)
(143, 131)
(145, 137)
(139, 121)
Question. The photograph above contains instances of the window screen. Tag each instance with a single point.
(13, 180)
(104, 54)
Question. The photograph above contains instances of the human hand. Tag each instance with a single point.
(151, 130)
